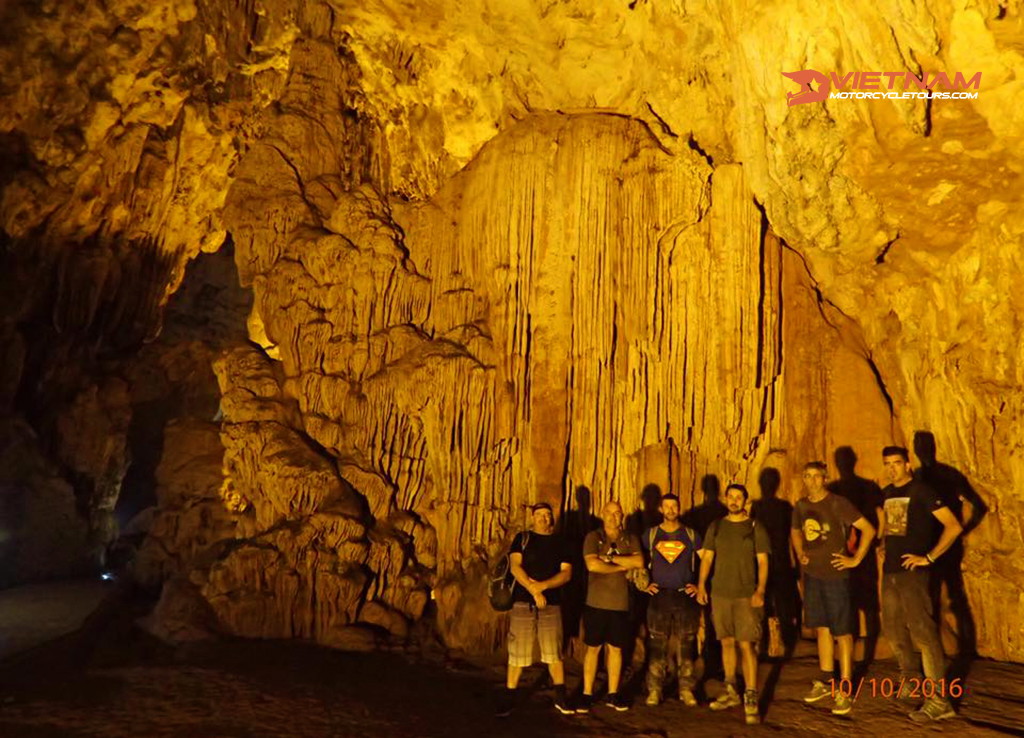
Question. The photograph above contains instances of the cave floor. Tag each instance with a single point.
(110, 679)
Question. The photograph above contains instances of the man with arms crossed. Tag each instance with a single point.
(539, 561)
(738, 547)
(908, 520)
(821, 525)
(609, 553)
(673, 615)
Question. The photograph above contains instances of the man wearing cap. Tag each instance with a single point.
(539, 561)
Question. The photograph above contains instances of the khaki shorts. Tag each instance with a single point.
(736, 618)
(528, 625)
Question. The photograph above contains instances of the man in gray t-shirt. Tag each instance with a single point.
(738, 547)
(821, 529)
(609, 552)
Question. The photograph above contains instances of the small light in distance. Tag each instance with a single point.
(107, 576)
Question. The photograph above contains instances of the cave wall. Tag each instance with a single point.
(498, 251)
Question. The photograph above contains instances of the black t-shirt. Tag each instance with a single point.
(910, 526)
(543, 557)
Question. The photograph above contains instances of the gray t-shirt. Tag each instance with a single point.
(825, 527)
(609, 591)
(735, 546)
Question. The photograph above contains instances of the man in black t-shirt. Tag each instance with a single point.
(540, 563)
(908, 520)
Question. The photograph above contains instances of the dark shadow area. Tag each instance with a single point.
(956, 493)
(648, 515)
(710, 510)
(782, 600)
(700, 518)
(576, 521)
(866, 496)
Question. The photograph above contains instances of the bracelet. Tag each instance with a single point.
(929, 557)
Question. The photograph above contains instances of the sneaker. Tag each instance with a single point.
(609, 699)
(727, 699)
(619, 702)
(933, 710)
(653, 698)
(506, 703)
(687, 697)
(819, 691)
(843, 704)
(750, 707)
(562, 702)
(584, 703)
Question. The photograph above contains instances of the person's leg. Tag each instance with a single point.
(590, 669)
(894, 625)
(675, 623)
(845, 643)
(593, 638)
(729, 660)
(923, 630)
(826, 653)
(557, 671)
(549, 638)
(513, 675)
(613, 656)
(657, 630)
(723, 614)
(816, 607)
(521, 637)
(925, 634)
(749, 664)
(841, 624)
(689, 625)
(521, 634)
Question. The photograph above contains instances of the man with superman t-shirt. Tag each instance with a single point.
(673, 615)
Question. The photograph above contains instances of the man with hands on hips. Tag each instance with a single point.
(916, 529)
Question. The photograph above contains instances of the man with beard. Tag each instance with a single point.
(738, 548)
(673, 615)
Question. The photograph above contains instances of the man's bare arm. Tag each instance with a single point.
(762, 580)
(706, 559)
(951, 528)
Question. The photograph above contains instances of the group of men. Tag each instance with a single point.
(725, 573)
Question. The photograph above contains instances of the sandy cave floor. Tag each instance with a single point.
(111, 679)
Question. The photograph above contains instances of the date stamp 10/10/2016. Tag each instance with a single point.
(907, 687)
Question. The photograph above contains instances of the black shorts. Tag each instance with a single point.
(605, 626)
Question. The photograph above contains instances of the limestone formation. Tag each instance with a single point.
(497, 252)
